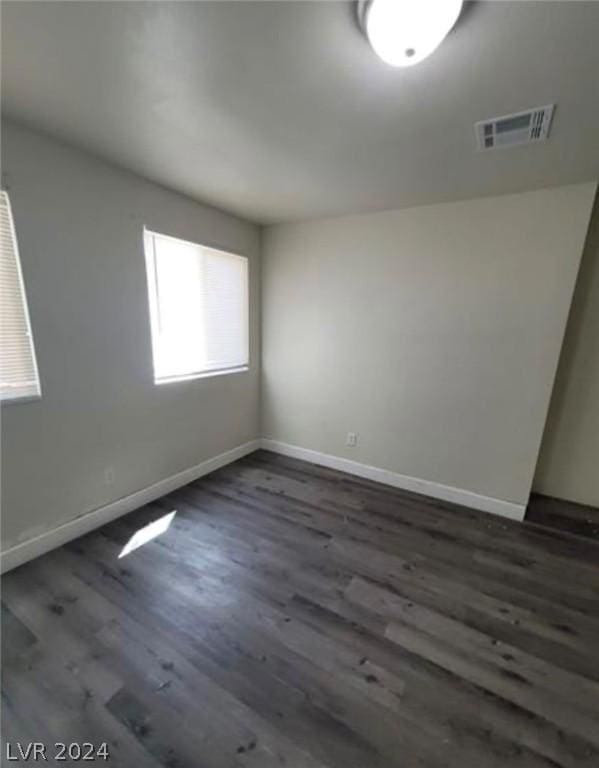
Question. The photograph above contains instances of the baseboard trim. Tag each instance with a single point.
(425, 487)
(39, 545)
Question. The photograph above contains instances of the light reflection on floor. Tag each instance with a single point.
(148, 532)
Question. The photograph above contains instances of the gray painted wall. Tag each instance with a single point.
(432, 332)
(568, 465)
(79, 223)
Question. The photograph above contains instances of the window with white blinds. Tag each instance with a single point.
(18, 368)
(198, 308)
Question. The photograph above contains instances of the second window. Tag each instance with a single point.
(198, 308)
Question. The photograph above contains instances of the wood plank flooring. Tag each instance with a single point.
(295, 616)
(564, 515)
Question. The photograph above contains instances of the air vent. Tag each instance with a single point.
(509, 130)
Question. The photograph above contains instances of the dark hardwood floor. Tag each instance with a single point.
(296, 616)
(564, 516)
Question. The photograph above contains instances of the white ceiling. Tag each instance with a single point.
(280, 110)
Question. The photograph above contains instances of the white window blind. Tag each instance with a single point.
(198, 308)
(18, 368)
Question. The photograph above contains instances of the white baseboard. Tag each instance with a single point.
(43, 543)
(39, 545)
(416, 485)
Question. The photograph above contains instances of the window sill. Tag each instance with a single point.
(18, 399)
(204, 375)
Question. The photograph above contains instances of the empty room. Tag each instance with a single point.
(299, 383)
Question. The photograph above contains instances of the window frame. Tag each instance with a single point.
(29, 397)
(153, 299)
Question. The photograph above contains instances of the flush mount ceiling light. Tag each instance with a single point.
(404, 32)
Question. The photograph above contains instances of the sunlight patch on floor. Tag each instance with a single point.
(147, 533)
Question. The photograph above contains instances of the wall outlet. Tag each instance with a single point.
(109, 476)
(351, 440)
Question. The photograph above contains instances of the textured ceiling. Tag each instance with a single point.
(280, 110)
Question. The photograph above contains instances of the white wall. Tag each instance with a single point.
(79, 223)
(568, 465)
(434, 333)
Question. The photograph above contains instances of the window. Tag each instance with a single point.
(18, 368)
(198, 308)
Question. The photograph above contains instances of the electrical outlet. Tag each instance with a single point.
(109, 476)
(351, 440)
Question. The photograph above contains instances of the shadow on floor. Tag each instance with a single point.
(563, 516)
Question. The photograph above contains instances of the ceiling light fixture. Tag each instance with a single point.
(404, 32)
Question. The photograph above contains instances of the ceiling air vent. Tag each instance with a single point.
(509, 130)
